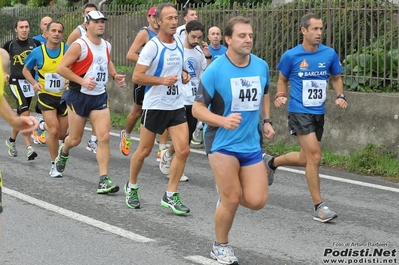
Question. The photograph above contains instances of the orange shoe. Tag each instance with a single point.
(42, 138)
(38, 139)
(125, 143)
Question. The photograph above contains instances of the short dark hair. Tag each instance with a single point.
(185, 10)
(90, 5)
(20, 20)
(162, 6)
(305, 20)
(54, 22)
(228, 31)
(194, 25)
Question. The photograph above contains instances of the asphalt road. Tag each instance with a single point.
(64, 221)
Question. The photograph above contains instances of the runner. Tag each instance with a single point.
(162, 107)
(144, 35)
(78, 32)
(231, 102)
(21, 89)
(50, 87)
(86, 65)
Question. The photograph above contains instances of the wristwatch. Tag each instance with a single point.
(268, 121)
(208, 57)
(341, 96)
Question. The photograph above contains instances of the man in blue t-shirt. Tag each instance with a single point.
(308, 67)
(231, 98)
(43, 26)
(216, 49)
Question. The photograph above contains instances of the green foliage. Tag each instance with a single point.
(371, 160)
(281, 148)
(4, 3)
(346, 26)
(38, 3)
(124, 69)
(374, 160)
(332, 160)
(369, 70)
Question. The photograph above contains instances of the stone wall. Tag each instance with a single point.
(369, 118)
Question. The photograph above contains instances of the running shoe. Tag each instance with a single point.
(224, 254)
(197, 137)
(270, 172)
(38, 138)
(132, 197)
(125, 143)
(107, 186)
(31, 154)
(12, 150)
(164, 164)
(54, 173)
(183, 177)
(159, 155)
(324, 214)
(174, 202)
(60, 160)
(92, 146)
(40, 119)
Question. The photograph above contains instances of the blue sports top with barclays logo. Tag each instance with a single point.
(308, 73)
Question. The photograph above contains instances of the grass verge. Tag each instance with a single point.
(372, 160)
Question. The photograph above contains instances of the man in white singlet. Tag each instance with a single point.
(86, 65)
(160, 67)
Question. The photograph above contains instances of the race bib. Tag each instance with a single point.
(170, 94)
(26, 88)
(314, 92)
(101, 76)
(54, 82)
(190, 91)
(246, 93)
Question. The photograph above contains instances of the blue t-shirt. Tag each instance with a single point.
(40, 38)
(35, 58)
(225, 89)
(308, 73)
(217, 52)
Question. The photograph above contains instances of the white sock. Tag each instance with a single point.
(199, 126)
(132, 186)
(162, 146)
(170, 193)
(41, 126)
(127, 135)
(93, 138)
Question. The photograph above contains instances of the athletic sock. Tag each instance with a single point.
(170, 193)
(41, 126)
(93, 138)
(132, 186)
(162, 146)
(127, 135)
(102, 177)
(272, 165)
(11, 140)
(317, 206)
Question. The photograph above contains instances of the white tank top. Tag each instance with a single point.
(163, 59)
(93, 62)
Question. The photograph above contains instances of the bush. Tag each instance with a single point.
(369, 70)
